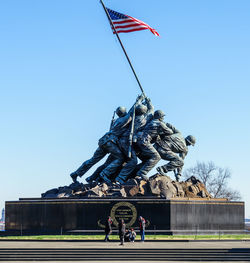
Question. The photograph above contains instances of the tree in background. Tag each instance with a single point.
(214, 178)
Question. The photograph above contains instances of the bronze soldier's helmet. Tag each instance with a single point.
(141, 109)
(159, 114)
(121, 111)
(191, 139)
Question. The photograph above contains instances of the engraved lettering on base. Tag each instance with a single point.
(125, 211)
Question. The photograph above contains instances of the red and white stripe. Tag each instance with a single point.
(131, 24)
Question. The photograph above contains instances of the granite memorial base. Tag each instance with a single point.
(87, 216)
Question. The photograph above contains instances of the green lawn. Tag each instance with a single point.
(115, 237)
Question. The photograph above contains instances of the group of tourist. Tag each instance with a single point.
(141, 134)
(125, 235)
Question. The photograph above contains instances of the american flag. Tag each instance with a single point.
(125, 24)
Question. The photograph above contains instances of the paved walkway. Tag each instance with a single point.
(137, 244)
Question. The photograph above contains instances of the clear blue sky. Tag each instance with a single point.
(62, 73)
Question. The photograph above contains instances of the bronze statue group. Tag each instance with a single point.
(139, 134)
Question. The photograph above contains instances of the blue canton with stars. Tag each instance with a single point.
(115, 15)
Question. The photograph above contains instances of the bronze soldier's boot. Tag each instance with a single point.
(88, 180)
(74, 176)
(105, 178)
(177, 176)
(161, 170)
(144, 177)
(119, 180)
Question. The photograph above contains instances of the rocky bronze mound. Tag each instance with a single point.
(157, 185)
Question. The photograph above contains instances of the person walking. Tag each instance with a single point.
(108, 228)
(142, 223)
(122, 230)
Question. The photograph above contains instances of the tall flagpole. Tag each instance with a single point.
(126, 55)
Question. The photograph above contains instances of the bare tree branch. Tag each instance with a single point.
(214, 178)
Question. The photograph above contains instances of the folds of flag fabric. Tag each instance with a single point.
(126, 24)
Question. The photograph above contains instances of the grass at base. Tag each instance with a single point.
(115, 237)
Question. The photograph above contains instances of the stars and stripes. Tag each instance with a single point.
(126, 24)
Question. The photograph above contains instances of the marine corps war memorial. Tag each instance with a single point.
(136, 140)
